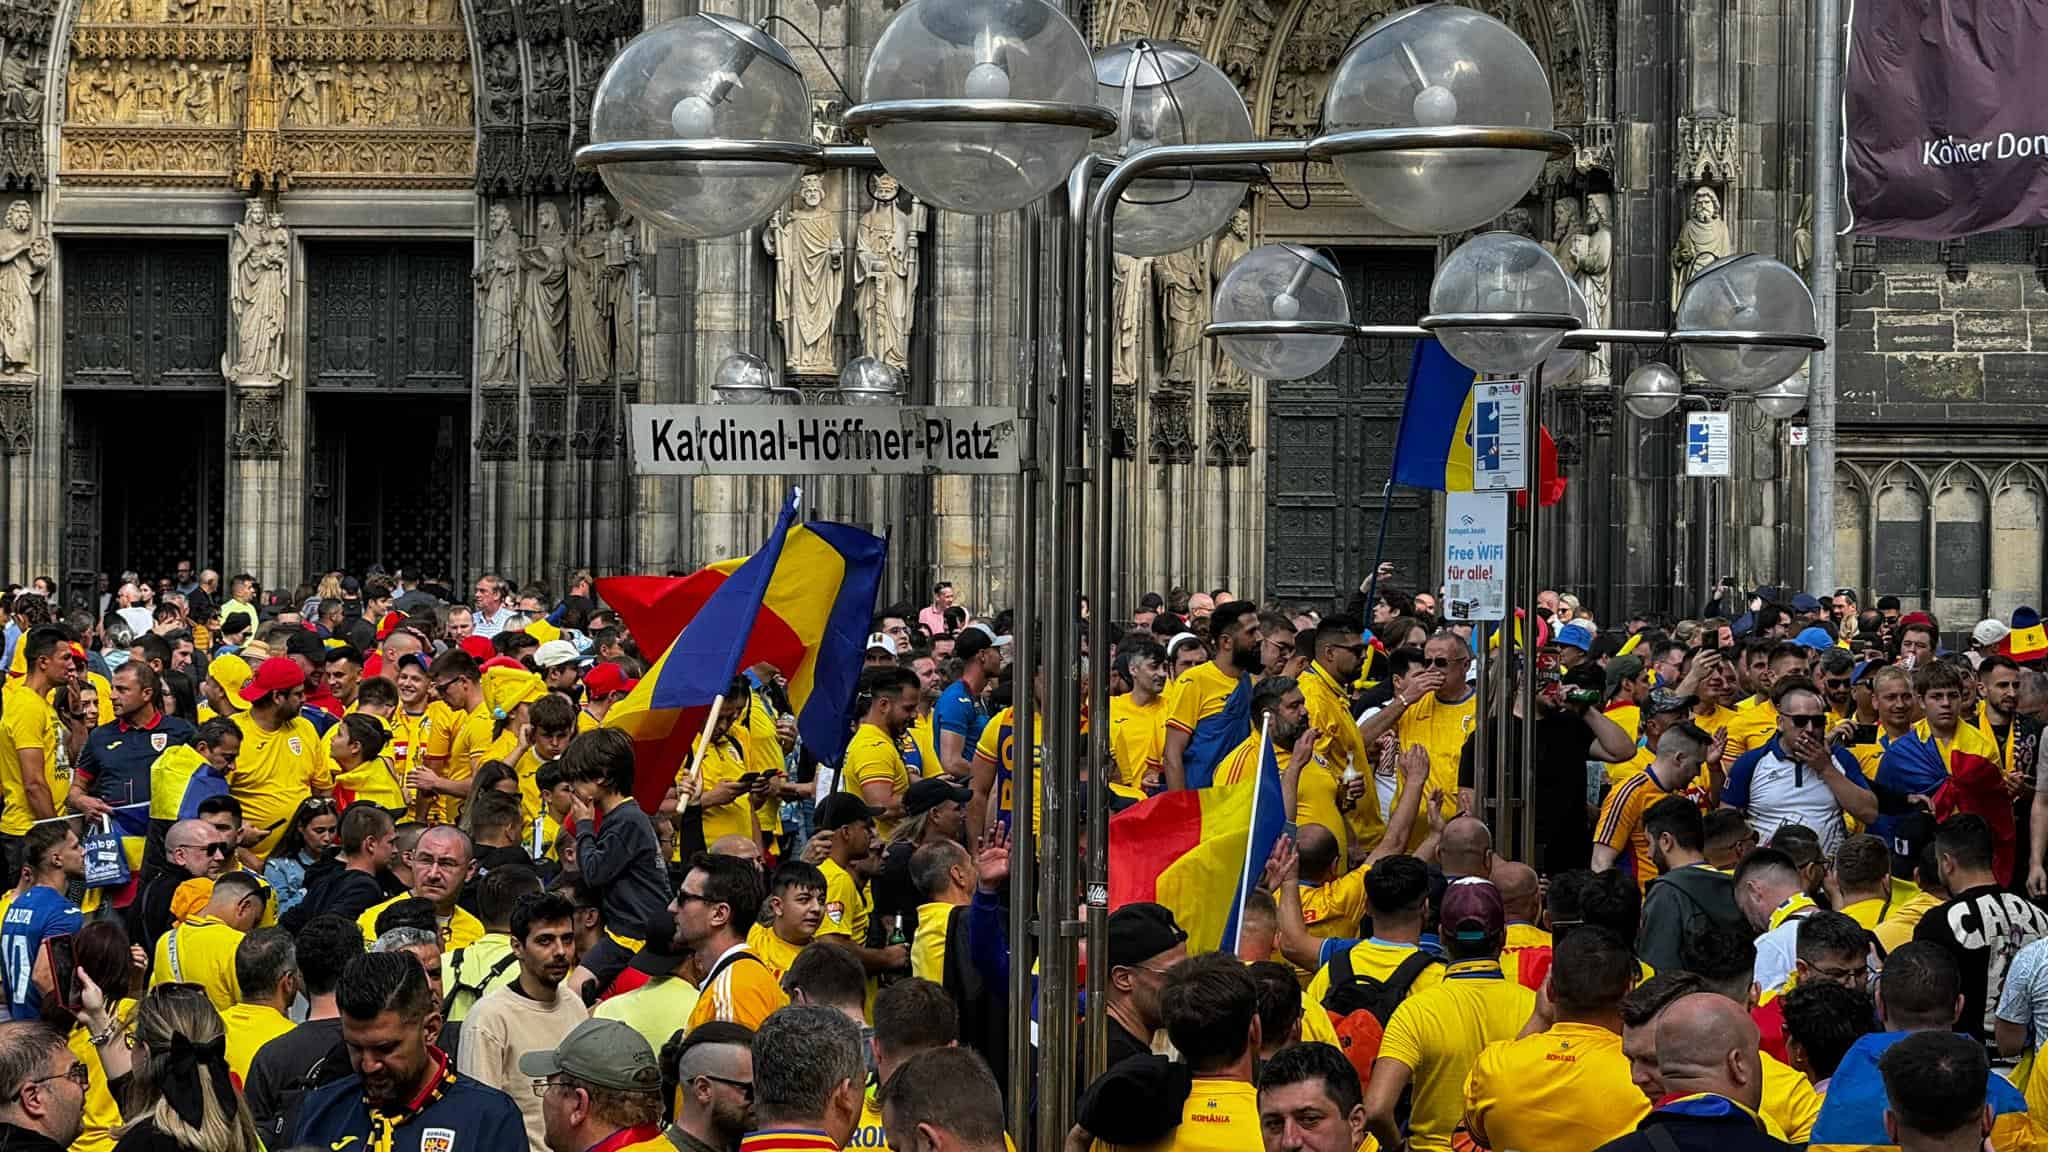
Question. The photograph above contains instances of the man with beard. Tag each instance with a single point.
(1336, 779)
(282, 758)
(405, 1095)
(531, 1014)
(874, 757)
(192, 848)
(714, 1074)
(1434, 709)
(719, 899)
(1622, 836)
(1212, 705)
(1279, 710)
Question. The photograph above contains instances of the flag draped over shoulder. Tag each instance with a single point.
(1199, 852)
(802, 603)
(180, 780)
(1966, 779)
(1217, 736)
(1852, 1113)
(1434, 448)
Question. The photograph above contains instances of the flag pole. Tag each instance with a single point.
(1379, 548)
(697, 753)
(1245, 876)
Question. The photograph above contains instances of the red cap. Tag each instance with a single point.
(501, 662)
(478, 646)
(606, 680)
(1916, 618)
(277, 674)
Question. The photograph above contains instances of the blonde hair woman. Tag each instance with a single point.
(182, 1098)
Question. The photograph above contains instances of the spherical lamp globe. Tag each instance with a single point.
(980, 50)
(1785, 399)
(1746, 294)
(868, 381)
(742, 378)
(1652, 391)
(702, 77)
(1282, 282)
(1163, 93)
(1559, 365)
(1437, 66)
(1499, 274)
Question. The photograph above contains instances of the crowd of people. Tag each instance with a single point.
(364, 863)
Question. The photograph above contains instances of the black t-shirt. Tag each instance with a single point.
(1983, 928)
(1563, 826)
(288, 1067)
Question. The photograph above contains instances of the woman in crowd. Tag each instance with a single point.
(307, 839)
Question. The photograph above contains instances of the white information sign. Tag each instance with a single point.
(1475, 555)
(1497, 435)
(1706, 444)
(765, 440)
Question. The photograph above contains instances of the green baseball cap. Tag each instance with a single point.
(606, 1053)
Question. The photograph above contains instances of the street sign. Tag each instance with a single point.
(841, 440)
(1795, 435)
(1706, 444)
(1497, 435)
(1475, 555)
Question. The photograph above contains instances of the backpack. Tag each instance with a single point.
(476, 990)
(1359, 1006)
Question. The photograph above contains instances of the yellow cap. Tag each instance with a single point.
(230, 672)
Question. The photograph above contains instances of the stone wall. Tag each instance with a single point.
(1924, 345)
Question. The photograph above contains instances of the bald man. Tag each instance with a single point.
(744, 847)
(441, 864)
(1467, 848)
(1522, 898)
(192, 849)
(1707, 1058)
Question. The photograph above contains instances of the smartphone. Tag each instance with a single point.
(63, 970)
(747, 779)
(1865, 734)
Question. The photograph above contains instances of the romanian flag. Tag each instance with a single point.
(1435, 445)
(1217, 735)
(1964, 777)
(1199, 852)
(179, 781)
(1852, 1113)
(803, 603)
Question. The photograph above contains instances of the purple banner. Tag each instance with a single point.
(1947, 116)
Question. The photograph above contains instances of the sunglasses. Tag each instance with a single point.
(1803, 721)
(1438, 662)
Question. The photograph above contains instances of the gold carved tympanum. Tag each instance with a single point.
(269, 93)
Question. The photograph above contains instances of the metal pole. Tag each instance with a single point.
(1023, 766)
(1820, 400)
(1482, 752)
(1099, 534)
(1532, 452)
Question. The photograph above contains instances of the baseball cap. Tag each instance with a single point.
(841, 809)
(972, 641)
(1664, 701)
(277, 674)
(926, 795)
(606, 679)
(1863, 670)
(307, 644)
(1575, 635)
(1622, 669)
(1805, 602)
(607, 1053)
(1815, 638)
(1988, 632)
(556, 653)
(232, 673)
(1472, 909)
(1138, 932)
(882, 641)
(993, 639)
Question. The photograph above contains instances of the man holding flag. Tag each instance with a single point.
(1211, 711)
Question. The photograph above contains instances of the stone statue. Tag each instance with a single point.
(259, 269)
(1133, 295)
(885, 273)
(808, 255)
(497, 281)
(1592, 265)
(589, 302)
(544, 319)
(24, 254)
(1564, 229)
(622, 280)
(1230, 247)
(1702, 240)
(1802, 236)
(1180, 307)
